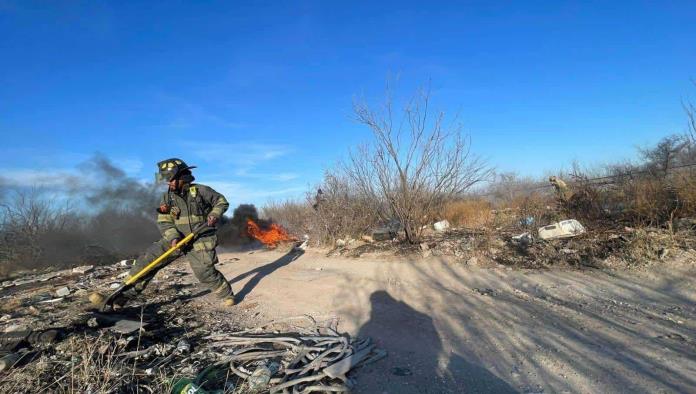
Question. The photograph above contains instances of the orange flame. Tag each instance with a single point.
(271, 237)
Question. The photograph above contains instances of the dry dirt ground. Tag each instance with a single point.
(453, 328)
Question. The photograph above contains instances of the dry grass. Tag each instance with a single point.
(86, 364)
(294, 216)
(474, 213)
(83, 365)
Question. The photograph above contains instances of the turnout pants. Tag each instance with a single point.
(202, 259)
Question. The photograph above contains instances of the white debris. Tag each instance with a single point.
(16, 328)
(565, 229)
(124, 263)
(303, 245)
(122, 275)
(441, 225)
(83, 270)
(114, 285)
(183, 346)
(63, 291)
(51, 301)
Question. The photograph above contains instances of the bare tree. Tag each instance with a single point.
(415, 163)
(690, 110)
(665, 155)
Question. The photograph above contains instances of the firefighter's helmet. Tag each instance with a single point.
(170, 169)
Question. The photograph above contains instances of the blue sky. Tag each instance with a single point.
(259, 94)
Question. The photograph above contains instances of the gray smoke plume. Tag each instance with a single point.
(104, 215)
(233, 232)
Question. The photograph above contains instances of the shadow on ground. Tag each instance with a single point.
(562, 331)
(415, 363)
(259, 273)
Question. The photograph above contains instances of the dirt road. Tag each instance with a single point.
(452, 328)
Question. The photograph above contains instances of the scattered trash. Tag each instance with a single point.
(291, 361)
(528, 221)
(383, 234)
(300, 245)
(183, 346)
(63, 292)
(441, 225)
(260, 378)
(187, 386)
(524, 239)
(30, 279)
(52, 300)
(125, 263)
(564, 229)
(83, 270)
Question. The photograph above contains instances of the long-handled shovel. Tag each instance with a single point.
(108, 303)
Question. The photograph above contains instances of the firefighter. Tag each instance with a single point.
(184, 206)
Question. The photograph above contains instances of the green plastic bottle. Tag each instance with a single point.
(187, 386)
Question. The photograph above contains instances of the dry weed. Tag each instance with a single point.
(473, 213)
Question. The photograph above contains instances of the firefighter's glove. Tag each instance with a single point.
(212, 220)
(174, 242)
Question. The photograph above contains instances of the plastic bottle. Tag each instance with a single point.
(187, 386)
(260, 378)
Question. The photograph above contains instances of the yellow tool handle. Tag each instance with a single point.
(156, 261)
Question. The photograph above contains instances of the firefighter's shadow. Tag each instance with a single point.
(260, 272)
(417, 362)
